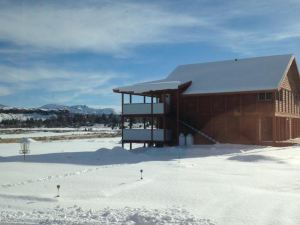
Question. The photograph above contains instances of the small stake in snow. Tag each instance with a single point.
(58, 187)
(141, 174)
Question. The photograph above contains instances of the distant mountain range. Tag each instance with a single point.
(76, 109)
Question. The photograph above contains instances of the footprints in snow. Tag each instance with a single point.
(52, 177)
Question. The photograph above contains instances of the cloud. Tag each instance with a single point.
(108, 28)
(55, 80)
(116, 27)
(11, 74)
(251, 27)
(4, 91)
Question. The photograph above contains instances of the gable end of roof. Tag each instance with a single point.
(293, 58)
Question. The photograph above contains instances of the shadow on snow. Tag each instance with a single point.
(254, 158)
(27, 198)
(118, 155)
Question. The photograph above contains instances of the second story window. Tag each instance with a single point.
(261, 96)
(268, 96)
(264, 96)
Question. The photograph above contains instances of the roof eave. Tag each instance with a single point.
(231, 92)
(182, 87)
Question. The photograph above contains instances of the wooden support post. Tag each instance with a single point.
(279, 100)
(130, 146)
(283, 131)
(280, 128)
(259, 130)
(130, 118)
(275, 108)
(122, 120)
(240, 116)
(274, 130)
(290, 126)
(177, 119)
(144, 120)
(152, 120)
(226, 120)
(164, 116)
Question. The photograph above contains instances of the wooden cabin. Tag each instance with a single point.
(248, 101)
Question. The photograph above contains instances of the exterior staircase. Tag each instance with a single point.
(207, 137)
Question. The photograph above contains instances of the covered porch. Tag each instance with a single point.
(150, 113)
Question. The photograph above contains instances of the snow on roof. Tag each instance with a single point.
(150, 86)
(252, 74)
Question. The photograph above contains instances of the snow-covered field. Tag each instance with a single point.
(23, 117)
(100, 184)
(51, 134)
(95, 127)
(8, 133)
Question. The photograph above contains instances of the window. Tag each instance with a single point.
(261, 96)
(265, 96)
(269, 96)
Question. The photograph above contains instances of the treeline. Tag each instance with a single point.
(65, 120)
(31, 111)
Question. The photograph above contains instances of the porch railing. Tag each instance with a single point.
(144, 108)
(145, 135)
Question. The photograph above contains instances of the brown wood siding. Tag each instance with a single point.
(232, 118)
(243, 118)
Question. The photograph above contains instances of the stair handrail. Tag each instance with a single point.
(199, 132)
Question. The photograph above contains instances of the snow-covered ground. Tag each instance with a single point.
(100, 184)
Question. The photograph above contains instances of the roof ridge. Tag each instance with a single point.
(238, 59)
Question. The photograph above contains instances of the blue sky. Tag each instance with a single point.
(69, 52)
